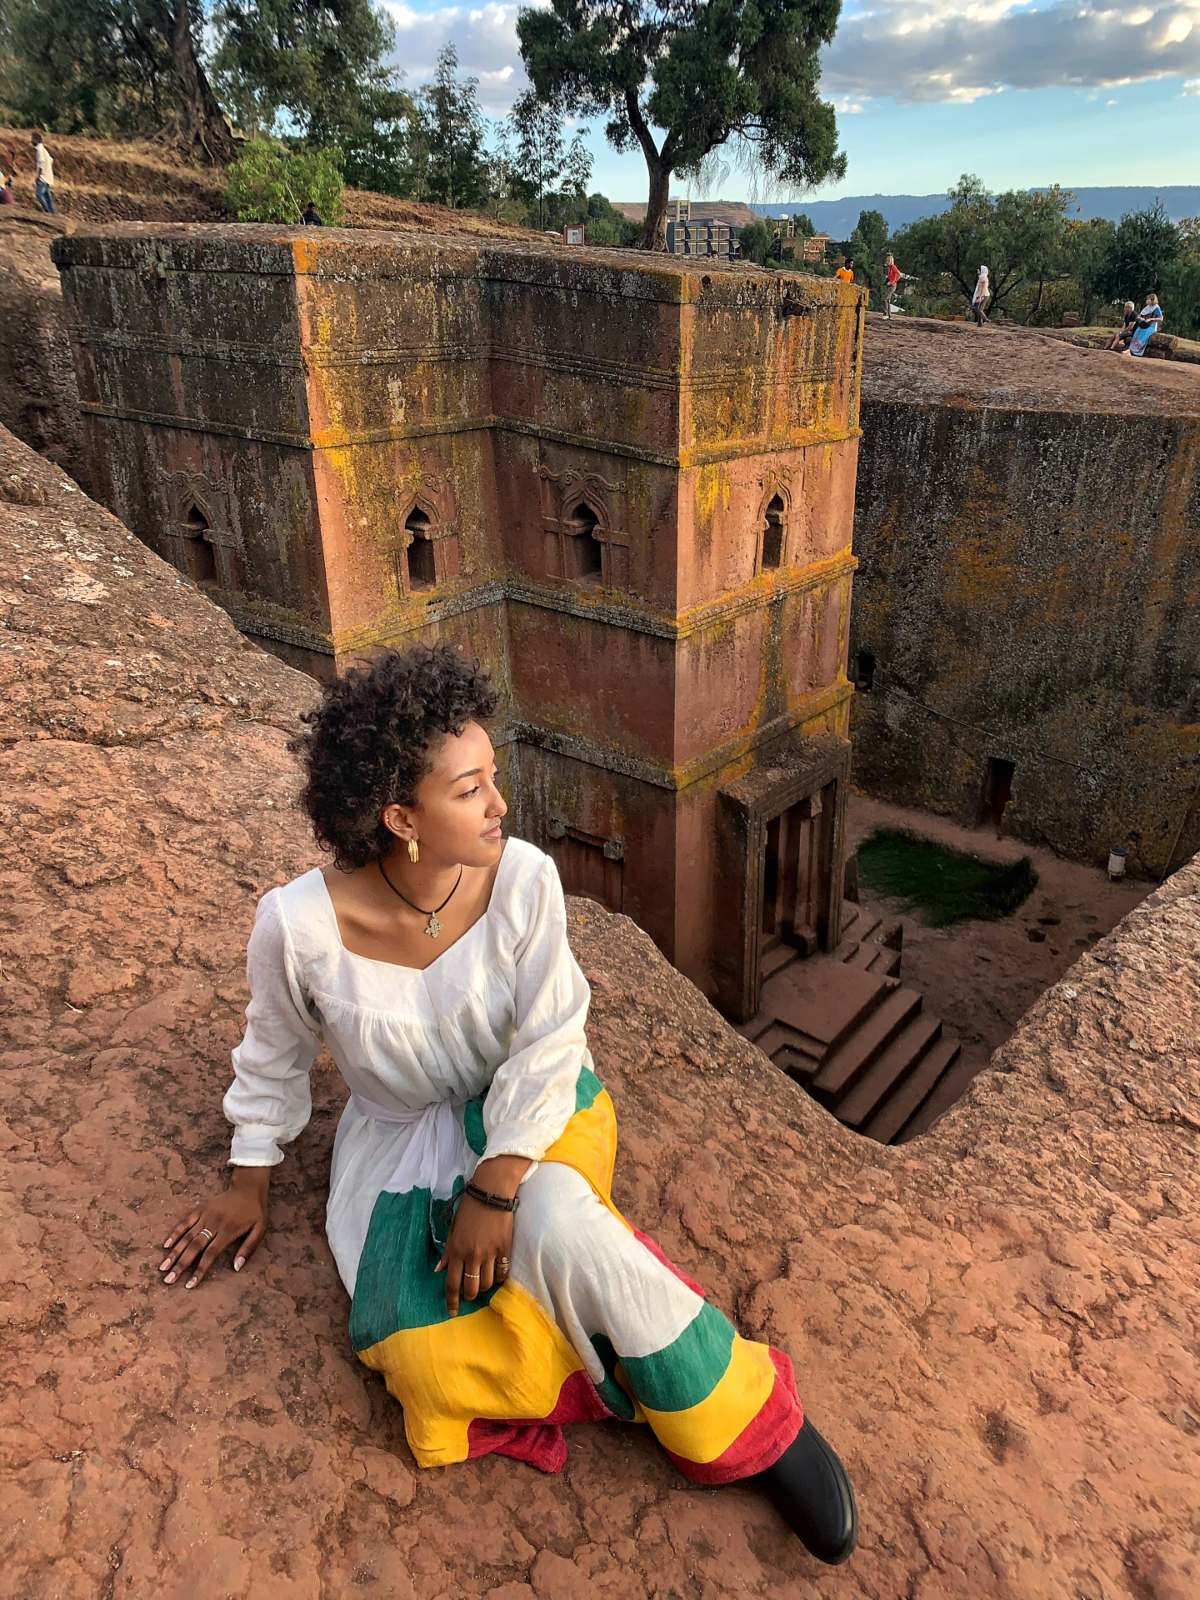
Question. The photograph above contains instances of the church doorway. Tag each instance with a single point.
(797, 866)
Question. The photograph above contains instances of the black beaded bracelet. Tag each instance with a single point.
(498, 1202)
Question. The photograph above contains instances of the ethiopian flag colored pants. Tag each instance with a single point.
(592, 1322)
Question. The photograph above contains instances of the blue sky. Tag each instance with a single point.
(1020, 92)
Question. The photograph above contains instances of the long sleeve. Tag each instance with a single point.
(532, 1096)
(268, 1101)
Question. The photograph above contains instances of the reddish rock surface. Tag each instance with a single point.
(998, 1324)
(1005, 367)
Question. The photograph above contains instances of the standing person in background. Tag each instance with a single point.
(891, 277)
(979, 300)
(43, 178)
(845, 273)
(312, 217)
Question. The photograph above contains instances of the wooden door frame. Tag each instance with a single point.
(746, 809)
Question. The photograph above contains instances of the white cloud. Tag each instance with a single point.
(484, 36)
(946, 50)
(950, 51)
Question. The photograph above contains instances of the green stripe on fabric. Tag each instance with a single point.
(587, 1087)
(609, 1390)
(396, 1286)
(688, 1369)
(473, 1125)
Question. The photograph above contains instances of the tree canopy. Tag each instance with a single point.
(744, 70)
(1143, 247)
(541, 163)
(117, 66)
(1017, 235)
(869, 247)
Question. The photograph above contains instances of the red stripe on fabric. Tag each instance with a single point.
(657, 1252)
(762, 1441)
(542, 1447)
(540, 1444)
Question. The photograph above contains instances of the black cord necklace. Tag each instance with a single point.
(433, 927)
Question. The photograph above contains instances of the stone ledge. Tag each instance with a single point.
(998, 1324)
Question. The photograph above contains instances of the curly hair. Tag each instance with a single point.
(367, 745)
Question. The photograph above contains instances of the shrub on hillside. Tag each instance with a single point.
(270, 183)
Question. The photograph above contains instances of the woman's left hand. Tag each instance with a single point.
(480, 1240)
(477, 1252)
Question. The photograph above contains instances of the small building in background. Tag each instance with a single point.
(702, 237)
(795, 245)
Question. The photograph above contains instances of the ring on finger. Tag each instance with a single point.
(502, 1264)
(207, 1233)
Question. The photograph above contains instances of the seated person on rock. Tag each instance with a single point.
(1120, 339)
(493, 1281)
(1149, 322)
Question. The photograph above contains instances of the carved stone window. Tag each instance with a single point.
(583, 553)
(582, 544)
(422, 569)
(774, 528)
(199, 551)
(427, 553)
(197, 535)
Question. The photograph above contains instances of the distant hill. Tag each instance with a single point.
(735, 212)
(838, 217)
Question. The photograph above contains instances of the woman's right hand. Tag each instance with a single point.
(199, 1238)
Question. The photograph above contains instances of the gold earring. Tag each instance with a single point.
(414, 853)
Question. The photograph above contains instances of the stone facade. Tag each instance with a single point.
(1027, 610)
(624, 483)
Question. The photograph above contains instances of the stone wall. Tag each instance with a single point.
(998, 1325)
(1028, 530)
(39, 399)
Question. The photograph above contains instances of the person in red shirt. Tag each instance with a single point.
(891, 278)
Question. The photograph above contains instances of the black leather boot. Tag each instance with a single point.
(809, 1488)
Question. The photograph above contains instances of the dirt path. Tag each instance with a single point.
(981, 977)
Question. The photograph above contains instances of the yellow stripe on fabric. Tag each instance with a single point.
(588, 1143)
(507, 1361)
(706, 1430)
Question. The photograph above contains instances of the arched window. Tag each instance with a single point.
(583, 553)
(773, 532)
(201, 556)
(419, 553)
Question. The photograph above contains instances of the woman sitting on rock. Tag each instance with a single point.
(494, 1283)
(1149, 322)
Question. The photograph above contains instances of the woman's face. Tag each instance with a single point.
(459, 808)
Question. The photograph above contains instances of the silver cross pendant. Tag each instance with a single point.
(433, 927)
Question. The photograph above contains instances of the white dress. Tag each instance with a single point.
(413, 1044)
(486, 1050)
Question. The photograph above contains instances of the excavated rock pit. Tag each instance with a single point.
(997, 1324)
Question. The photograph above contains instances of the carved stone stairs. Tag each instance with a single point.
(861, 1042)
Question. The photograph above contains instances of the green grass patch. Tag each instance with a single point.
(940, 885)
